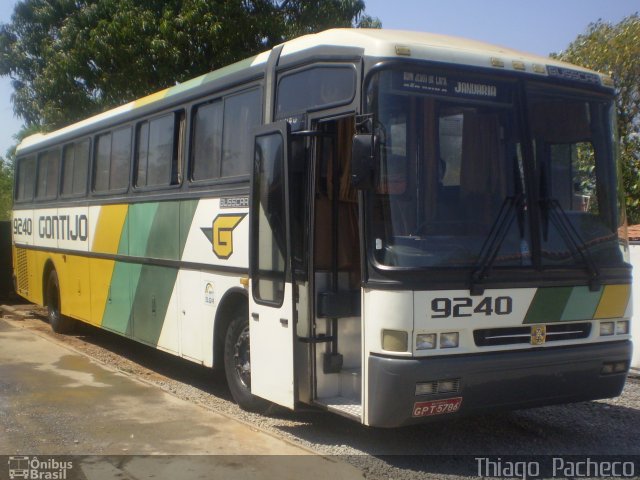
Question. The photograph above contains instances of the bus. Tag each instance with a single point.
(394, 226)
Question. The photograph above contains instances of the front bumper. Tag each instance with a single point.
(494, 380)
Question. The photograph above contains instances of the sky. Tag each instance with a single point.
(535, 26)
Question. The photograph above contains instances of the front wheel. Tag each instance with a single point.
(237, 364)
(59, 323)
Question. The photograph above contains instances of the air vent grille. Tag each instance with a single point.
(489, 337)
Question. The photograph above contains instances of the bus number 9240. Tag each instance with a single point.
(464, 307)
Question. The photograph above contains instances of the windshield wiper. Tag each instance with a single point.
(552, 210)
(511, 208)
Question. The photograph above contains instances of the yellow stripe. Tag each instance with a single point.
(614, 301)
(75, 287)
(101, 272)
(106, 240)
(150, 98)
(109, 228)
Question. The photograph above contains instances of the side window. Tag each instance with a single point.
(221, 137)
(120, 159)
(48, 174)
(102, 163)
(206, 141)
(75, 163)
(112, 160)
(25, 182)
(242, 112)
(157, 151)
(317, 87)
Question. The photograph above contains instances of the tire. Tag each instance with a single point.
(237, 364)
(59, 323)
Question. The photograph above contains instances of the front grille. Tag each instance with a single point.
(22, 271)
(556, 332)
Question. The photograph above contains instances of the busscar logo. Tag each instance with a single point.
(221, 233)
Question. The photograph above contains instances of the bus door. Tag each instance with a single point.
(272, 314)
(337, 326)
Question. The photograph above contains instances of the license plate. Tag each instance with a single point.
(437, 407)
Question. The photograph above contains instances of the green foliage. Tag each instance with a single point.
(615, 49)
(69, 59)
(6, 189)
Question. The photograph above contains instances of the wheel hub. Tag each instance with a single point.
(242, 358)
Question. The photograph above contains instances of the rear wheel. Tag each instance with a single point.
(59, 323)
(237, 364)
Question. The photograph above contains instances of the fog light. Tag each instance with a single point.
(395, 340)
(622, 327)
(620, 367)
(607, 328)
(448, 386)
(607, 368)
(428, 388)
(425, 341)
(449, 340)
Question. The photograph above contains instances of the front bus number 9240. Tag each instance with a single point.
(464, 306)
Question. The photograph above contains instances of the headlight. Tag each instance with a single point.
(449, 339)
(607, 328)
(425, 341)
(622, 327)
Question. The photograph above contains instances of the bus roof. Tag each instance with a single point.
(378, 43)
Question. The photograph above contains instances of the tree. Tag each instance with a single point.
(615, 49)
(6, 189)
(69, 59)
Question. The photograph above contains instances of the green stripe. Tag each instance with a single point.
(581, 304)
(117, 313)
(163, 236)
(140, 294)
(151, 301)
(548, 305)
(140, 220)
(187, 212)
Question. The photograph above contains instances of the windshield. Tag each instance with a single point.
(450, 188)
(573, 150)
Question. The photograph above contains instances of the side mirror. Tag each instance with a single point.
(363, 158)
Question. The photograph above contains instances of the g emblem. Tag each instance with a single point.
(221, 233)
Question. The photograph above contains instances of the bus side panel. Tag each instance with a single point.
(116, 314)
(194, 311)
(154, 233)
(76, 292)
(34, 278)
(110, 297)
(155, 307)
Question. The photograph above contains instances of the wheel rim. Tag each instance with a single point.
(242, 358)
